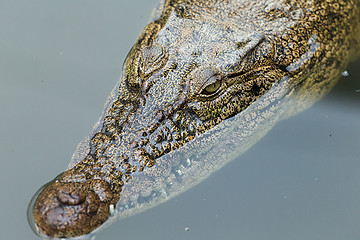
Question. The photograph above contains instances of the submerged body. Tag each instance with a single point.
(204, 81)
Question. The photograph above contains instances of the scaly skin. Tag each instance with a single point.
(204, 81)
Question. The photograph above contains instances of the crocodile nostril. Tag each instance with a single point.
(71, 197)
(71, 209)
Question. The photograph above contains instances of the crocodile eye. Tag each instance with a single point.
(213, 87)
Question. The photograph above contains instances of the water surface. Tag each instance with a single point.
(58, 62)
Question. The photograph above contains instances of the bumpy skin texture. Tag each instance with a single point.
(199, 64)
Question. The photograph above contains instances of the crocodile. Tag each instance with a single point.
(205, 80)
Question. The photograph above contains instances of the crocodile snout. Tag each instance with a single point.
(70, 209)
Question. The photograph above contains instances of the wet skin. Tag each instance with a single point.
(204, 81)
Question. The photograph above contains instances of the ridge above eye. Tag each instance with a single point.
(152, 58)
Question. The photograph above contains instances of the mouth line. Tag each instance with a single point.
(175, 176)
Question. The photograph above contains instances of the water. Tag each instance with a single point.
(61, 58)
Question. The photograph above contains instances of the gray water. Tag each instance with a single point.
(58, 62)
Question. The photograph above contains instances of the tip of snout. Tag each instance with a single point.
(68, 210)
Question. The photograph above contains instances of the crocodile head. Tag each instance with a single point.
(190, 70)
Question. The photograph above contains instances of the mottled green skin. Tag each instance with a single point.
(204, 81)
